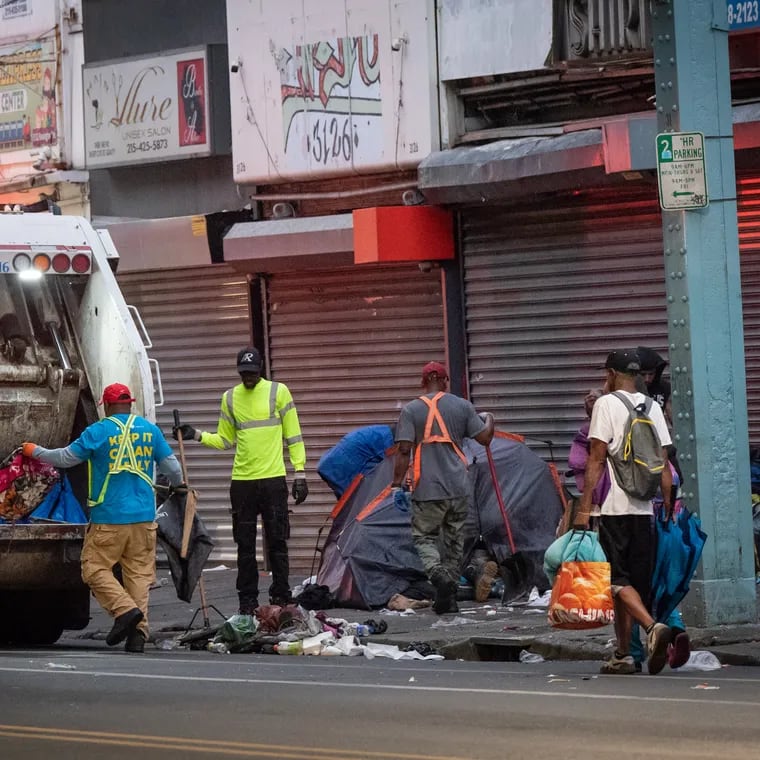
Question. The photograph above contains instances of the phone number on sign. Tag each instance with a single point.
(146, 146)
(743, 13)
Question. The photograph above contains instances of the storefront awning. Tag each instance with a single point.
(276, 245)
(609, 152)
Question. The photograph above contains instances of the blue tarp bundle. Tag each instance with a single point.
(679, 547)
(354, 454)
(60, 504)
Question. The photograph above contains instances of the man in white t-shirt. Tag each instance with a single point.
(625, 529)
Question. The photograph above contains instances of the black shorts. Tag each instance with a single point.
(629, 543)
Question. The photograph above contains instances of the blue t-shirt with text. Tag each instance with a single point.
(128, 498)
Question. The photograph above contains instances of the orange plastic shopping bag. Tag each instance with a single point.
(581, 596)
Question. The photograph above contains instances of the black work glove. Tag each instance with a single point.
(186, 432)
(300, 489)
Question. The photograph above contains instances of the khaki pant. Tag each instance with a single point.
(444, 518)
(134, 548)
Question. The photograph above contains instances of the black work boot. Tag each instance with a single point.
(135, 642)
(445, 592)
(123, 625)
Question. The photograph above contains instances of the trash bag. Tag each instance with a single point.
(237, 630)
(316, 597)
(185, 572)
(24, 482)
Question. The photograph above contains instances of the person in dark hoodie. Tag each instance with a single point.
(652, 367)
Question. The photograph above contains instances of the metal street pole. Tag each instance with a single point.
(705, 327)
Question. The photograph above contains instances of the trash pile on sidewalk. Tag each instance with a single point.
(293, 630)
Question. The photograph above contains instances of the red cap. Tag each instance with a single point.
(116, 393)
(433, 368)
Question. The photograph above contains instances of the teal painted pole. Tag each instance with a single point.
(705, 328)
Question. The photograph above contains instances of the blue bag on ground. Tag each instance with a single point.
(576, 545)
(679, 548)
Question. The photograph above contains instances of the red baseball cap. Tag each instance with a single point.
(434, 368)
(117, 393)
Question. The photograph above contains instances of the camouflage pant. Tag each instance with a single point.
(445, 519)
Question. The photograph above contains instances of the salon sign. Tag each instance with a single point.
(142, 110)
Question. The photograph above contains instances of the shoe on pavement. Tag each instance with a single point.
(679, 650)
(485, 581)
(618, 666)
(135, 642)
(445, 592)
(123, 625)
(658, 639)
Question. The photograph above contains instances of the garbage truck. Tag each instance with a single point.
(66, 332)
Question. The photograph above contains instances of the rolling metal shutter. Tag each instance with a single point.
(748, 188)
(350, 344)
(548, 292)
(198, 319)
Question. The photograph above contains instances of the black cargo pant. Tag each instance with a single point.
(267, 497)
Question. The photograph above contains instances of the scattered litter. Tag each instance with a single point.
(558, 680)
(394, 653)
(705, 686)
(510, 609)
(509, 628)
(701, 660)
(539, 600)
(61, 666)
(411, 680)
(468, 612)
(530, 657)
(491, 613)
(214, 569)
(158, 583)
(534, 611)
(449, 623)
(169, 644)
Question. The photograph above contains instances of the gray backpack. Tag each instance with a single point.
(639, 464)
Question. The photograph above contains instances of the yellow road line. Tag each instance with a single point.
(245, 749)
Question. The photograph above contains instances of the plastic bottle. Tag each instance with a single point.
(362, 630)
(289, 647)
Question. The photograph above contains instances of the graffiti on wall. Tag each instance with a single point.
(331, 103)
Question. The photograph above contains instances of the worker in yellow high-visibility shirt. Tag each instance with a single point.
(256, 416)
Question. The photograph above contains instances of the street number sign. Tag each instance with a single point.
(743, 14)
(681, 170)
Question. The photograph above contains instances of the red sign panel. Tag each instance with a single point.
(191, 88)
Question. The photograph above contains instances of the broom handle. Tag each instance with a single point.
(187, 526)
(497, 490)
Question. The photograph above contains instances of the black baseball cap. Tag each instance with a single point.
(623, 361)
(249, 360)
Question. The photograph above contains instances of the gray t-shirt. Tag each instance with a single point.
(443, 475)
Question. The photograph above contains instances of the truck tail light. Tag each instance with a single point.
(41, 262)
(61, 263)
(21, 262)
(81, 263)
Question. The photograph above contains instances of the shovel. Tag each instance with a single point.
(514, 567)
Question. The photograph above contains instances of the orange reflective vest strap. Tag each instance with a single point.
(434, 416)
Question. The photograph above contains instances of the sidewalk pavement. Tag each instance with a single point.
(486, 631)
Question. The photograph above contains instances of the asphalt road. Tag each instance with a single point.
(78, 702)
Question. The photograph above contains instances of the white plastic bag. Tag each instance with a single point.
(700, 660)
